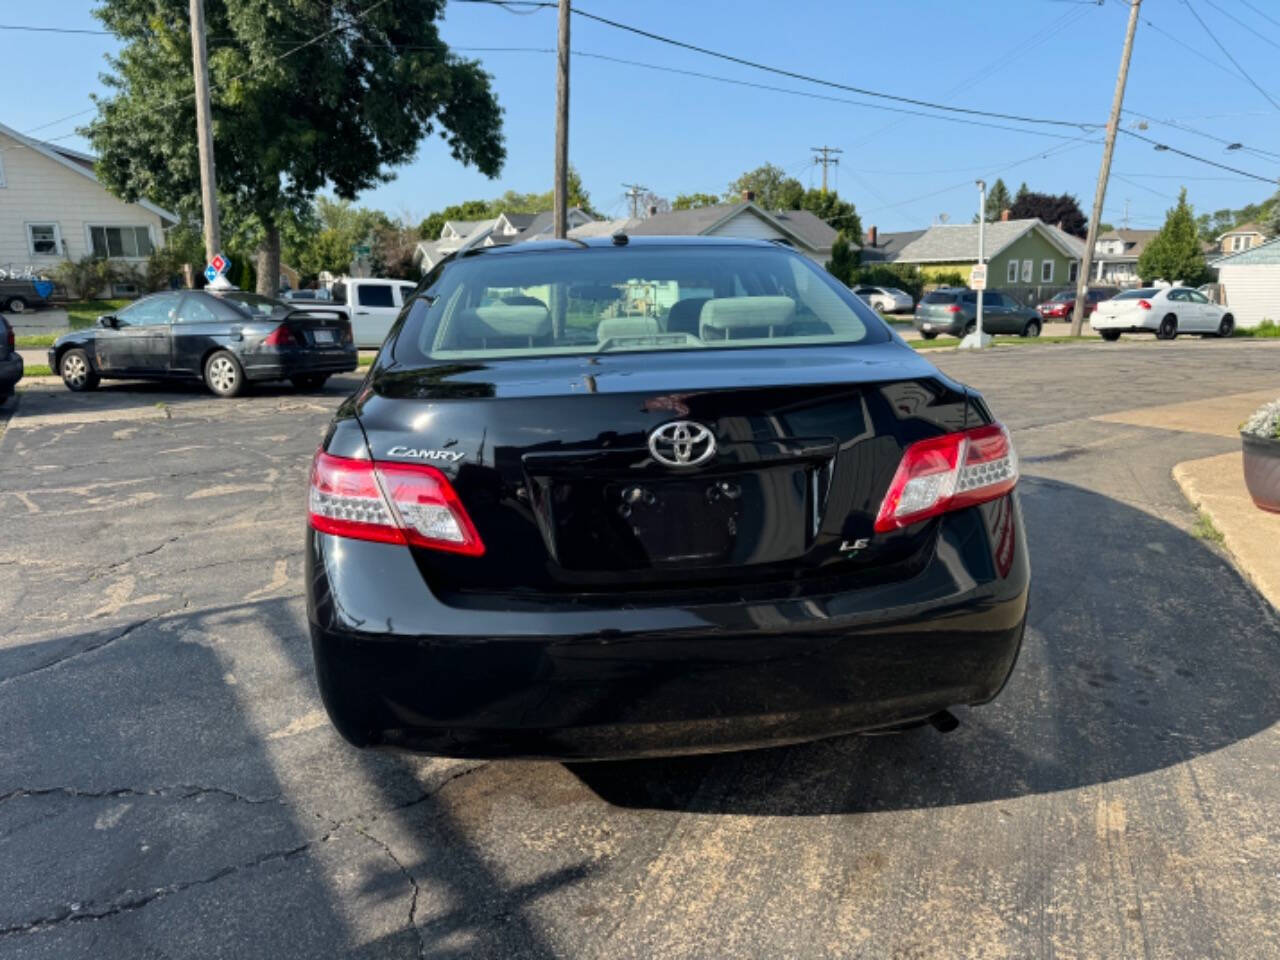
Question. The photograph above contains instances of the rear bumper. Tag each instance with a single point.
(295, 362)
(949, 325)
(10, 373)
(399, 668)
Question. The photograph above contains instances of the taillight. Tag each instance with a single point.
(346, 333)
(1144, 304)
(281, 336)
(947, 473)
(954, 308)
(403, 503)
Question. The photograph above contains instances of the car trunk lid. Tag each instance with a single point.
(314, 326)
(557, 462)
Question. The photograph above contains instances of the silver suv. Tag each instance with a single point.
(954, 311)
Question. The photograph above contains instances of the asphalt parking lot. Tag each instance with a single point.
(170, 786)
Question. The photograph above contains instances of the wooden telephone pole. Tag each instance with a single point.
(826, 159)
(561, 204)
(204, 133)
(1104, 172)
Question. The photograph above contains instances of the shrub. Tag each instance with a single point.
(1265, 422)
(87, 277)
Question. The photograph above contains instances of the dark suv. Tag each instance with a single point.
(954, 311)
(10, 361)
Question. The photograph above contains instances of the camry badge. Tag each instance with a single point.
(682, 443)
(415, 454)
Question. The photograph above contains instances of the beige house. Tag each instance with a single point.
(52, 208)
(1241, 238)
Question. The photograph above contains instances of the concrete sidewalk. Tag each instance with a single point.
(1215, 485)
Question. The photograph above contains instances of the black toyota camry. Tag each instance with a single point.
(622, 498)
(226, 339)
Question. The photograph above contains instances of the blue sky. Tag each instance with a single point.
(678, 133)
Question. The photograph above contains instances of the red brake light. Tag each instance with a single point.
(954, 308)
(281, 336)
(947, 473)
(403, 503)
(1144, 304)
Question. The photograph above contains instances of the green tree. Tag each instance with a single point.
(1174, 254)
(373, 81)
(774, 190)
(691, 201)
(1022, 192)
(839, 214)
(510, 202)
(843, 264)
(998, 200)
(1061, 210)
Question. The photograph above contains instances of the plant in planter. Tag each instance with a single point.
(1260, 435)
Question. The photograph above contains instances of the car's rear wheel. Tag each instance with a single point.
(1111, 336)
(310, 381)
(1032, 329)
(16, 305)
(77, 373)
(223, 374)
(929, 334)
(1228, 326)
(1168, 329)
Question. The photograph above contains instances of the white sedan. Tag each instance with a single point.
(1164, 311)
(886, 299)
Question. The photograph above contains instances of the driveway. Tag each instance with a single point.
(170, 786)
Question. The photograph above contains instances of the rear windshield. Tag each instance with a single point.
(938, 297)
(1136, 294)
(1065, 295)
(619, 299)
(255, 303)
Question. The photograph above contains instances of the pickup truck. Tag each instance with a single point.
(371, 305)
(19, 294)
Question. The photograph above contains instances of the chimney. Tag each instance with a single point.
(1004, 215)
(872, 236)
(749, 195)
(653, 210)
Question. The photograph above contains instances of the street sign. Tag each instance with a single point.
(210, 274)
(978, 276)
(363, 250)
(220, 263)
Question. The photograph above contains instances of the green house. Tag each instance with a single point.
(1020, 254)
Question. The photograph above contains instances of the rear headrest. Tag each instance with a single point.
(507, 320)
(723, 315)
(626, 327)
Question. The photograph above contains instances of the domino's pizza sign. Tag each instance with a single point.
(218, 266)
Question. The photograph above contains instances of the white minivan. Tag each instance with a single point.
(372, 305)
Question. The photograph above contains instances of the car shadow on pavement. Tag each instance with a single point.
(141, 791)
(1144, 648)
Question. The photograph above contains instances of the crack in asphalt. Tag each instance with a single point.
(77, 653)
(76, 913)
(413, 885)
(136, 556)
(181, 791)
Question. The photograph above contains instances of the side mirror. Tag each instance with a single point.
(108, 320)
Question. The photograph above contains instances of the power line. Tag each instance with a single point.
(1227, 54)
(1191, 156)
(1252, 30)
(1260, 13)
(794, 75)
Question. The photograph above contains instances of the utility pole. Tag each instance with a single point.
(204, 133)
(1126, 213)
(1104, 173)
(982, 227)
(634, 192)
(826, 159)
(561, 190)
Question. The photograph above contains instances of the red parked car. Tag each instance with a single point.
(1064, 303)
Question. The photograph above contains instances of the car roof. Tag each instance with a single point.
(608, 243)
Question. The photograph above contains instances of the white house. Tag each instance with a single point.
(52, 208)
(1249, 284)
(799, 228)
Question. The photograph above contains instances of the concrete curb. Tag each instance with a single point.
(1215, 485)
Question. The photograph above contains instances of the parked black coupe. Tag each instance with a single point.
(226, 339)
(617, 497)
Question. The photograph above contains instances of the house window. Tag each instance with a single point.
(1011, 276)
(1046, 271)
(1026, 271)
(43, 239)
(1073, 271)
(1237, 243)
(129, 242)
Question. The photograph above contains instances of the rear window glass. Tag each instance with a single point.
(374, 295)
(1136, 294)
(937, 297)
(620, 299)
(1065, 295)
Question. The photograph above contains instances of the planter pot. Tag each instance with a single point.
(1262, 471)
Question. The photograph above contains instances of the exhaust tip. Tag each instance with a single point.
(944, 721)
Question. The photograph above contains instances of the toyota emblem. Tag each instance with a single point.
(682, 443)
